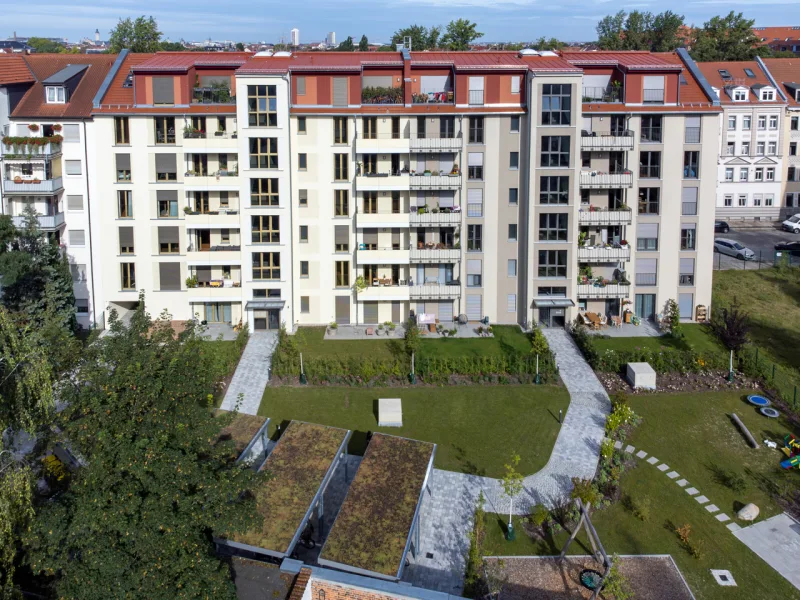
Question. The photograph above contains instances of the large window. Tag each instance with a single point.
(475, 165)
(554, 189)
(649, 201)
(165, 130)
(340, 130)
(555, 151)
(342, 273)
(647, 236)
(370, 128)
(553, 227)
(651, 129)
(688, 237)
(128, 276)
(125, 204)
(263, 153)
(262, 105)
(264, 192)
(340, 167)
(341, 203)
(476, 130)
(556, 103)
(266, 265)
(691, 164)
(650, 164)
(266, 229)
(552, 263)
(475, 238)
(122, 133)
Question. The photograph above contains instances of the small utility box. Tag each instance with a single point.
(641, 375)
(390, 412)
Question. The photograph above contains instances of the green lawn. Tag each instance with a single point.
(696, 336)
(475, 427)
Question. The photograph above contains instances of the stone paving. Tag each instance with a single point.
(252, 373)
(777, 541)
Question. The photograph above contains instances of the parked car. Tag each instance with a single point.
(793, 248)
(721, 227)
(792, 224)
(733, 248)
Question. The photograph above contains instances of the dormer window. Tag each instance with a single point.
(767, 94)
(740, 95)
(56, 94)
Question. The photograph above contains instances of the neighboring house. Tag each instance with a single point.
(780, 39)
(15, 47)
(751, 157)
(786, 74)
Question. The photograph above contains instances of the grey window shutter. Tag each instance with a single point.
(126, 236)
(447, 199)
(72, 133)
(647, 230)
(692, 122)
(77, 237)
(340, 91)
(645, 265)
(72, 167)
(74, 202)
(203, 274)
(395, 236)
(166, 163)
(689, 194)
(446, 162)
(687, 266)
(123, 162)
(370, 236)
(301, 86)
(688, 226)
(167, 195)
(170, 275)
(342, 234)
(163, 90)
(168, 235)
(473, 267)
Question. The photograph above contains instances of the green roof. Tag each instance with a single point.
(372, 528)
(241, 430)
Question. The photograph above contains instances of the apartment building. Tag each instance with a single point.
(785, 74)
(780, 39)
(750, 165)
(45, 115)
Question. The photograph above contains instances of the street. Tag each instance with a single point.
(761, 241)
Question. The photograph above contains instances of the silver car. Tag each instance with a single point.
(733, 248)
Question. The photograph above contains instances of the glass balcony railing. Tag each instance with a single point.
(212, 95)
(382, 95)
(602, 94)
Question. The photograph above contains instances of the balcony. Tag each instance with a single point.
(221, 290)
(608, 142)
(28, 152)
(46, 222)
(382, 256)
(217, 142)
(382, 182)
(435, 182)
(444, 96)
(609, 290)
(604, 217)
(653, 96)
(32, 187)
(218, 219)
(382, 95)
(229, 255)
(389, 143)
(384, 292)
(603, 95)
(604, 255)
(436, 142)
(382, 219)
(435, 255)
(598, 180)
(213, 95)
(436, 291)
(476, 97)
(221, 180)
(434, 219)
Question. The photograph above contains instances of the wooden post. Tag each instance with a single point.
(575, 531)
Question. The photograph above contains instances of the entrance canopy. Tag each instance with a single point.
(553, 302)
(264, 304)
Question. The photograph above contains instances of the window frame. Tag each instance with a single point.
(553, 227)
(553, 152)
(271, 195)
(263, 153)
(265, 267)
(560, 95)
(122, 131)
(554, 266)
(265, 229)
(254, 111)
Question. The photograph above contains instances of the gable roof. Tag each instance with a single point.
(786, 73)
(738, 78)
(627, 61)
(183, 61)
(768, 35)
(14, 69)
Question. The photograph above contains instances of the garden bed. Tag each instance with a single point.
(708, 381)
(299, 466)
(371, 533)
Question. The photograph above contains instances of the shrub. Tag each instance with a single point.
(411, 337)
(473, 570)
(621, 415)
(539, 342)
(538, 516)
(586, 491)
(694, 548)
(619, 398)
(607, 449)
(616, 584)
(640, 507)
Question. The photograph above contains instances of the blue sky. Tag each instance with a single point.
(268, 20)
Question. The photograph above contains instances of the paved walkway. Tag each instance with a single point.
(446, 515)
(252, 374)
(777, 541)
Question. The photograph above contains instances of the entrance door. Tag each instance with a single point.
(260, 320)
(646, 306)
(685, 303)
(396, 312)
(343, 310)
(370, 313)
(552, 317)
(474, 305)
(544, 317)
(273, 319)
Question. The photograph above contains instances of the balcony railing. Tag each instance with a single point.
(476, 97)
(600, 255)
(604, 217)
(449, 291)
(609, 290)
(654, 95)
(425, 219)
(382, 95)
(596, 179)
(613, 141)
(435, 141)
(381, 256)
(602, 94)
(440, 182)
(435, 255)
(442, 97)
(646, 278)
(45, 221)
(212, 95)
(33, 187)
(30, 151)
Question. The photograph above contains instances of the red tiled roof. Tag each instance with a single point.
(80, 103)
(785, 70)
(629, 60)
(470, 60)
(777, 34)
(116, 94)
(738, 78)
(690, 93)
(183, 61)
(13, 69)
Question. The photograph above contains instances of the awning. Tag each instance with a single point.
(552, 302)
(264, 304)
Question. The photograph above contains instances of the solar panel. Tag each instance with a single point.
(749, 73)
(725, 74)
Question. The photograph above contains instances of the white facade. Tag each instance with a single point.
(331, 38)
(295, 37)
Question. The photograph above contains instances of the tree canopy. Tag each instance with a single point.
(460, 34)
(44, 45)
(640, 31)
(363, 44)
(422, 38)
(727, 38)
(140, 35)
(347, 45)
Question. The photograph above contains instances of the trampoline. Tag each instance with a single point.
(757, 400)
(769, 412)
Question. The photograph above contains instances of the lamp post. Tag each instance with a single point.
(538, 377)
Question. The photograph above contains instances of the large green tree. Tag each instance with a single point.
(726, 38)
(609, 31)
(665, 35)
(640, 31)
(544, 44)
(137, 520)
(363, 44)
(44, 45)
(422, 38)
(140, 35)
(460, 34)
(347, 45)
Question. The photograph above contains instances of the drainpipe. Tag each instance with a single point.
(288, 80)
(355, 199)
(89, 213)
(525, 185)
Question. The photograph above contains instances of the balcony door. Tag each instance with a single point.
(646, 306)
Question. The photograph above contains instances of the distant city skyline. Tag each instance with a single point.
(271, 21)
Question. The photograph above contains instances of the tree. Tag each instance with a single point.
(544, 44)
(512, 486)
(138, 519)
(422, 38)
(672, 320)
(637, 31)
(640, 31)
(44, 45)
(141, 35)
(725, 38)
(347, 45)
(666, 32)
(411, 337)
(731, 325)
(609, 31)
(171, 46)
(363, 45)
(460, 34)
(239, 47)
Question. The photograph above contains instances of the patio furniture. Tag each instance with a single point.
(431, 327)
(594, 319)
(616, 321)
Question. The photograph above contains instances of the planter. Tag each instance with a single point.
(332, 332)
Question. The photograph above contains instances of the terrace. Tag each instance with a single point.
(373, 532)
(382, 95)
(608, 94)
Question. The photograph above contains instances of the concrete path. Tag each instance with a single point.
(252, 374)
(777, 541)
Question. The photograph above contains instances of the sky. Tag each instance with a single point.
(270, 20)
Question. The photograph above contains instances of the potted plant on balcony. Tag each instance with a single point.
(623, 243)
(56, 127)
(582, 238)
(191, 282)
(33, 127)
(361, 283)
(426, 172)
(17, 179)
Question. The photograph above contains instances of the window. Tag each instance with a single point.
(746, 120)
(340, 167)
(512, 267)
(82, 306)
(370, 128)
(125, 204)
(123, 168)
(691, 161)
(168, 240)
(475, 202)
(586, 160)
(688, 239)
(687, 272)
(552, 263)
(301, 125)
(745, 148)
(370, 203)
(266, 265)
(262, 105)
(773, 121)
(511, 303)
(263, 153)
(476, 130)
(370, 164)
(692, 130)
(342, 273)
(341, 238)
(77, 237)
(767, 95)
(731, 147)
(474, 238)
(552, 227)
(768, 199)
(554, 190)
(72, 167)
(515, 83)
(341, 203)
(650, 164)
(515, 124)
(651, 129)
(304, 269)
(122, 133)
(743, 174)
(770, 173)
(340, 130)
(647, 236)
(56, 95)
(556, 103)
(740, 95)
(474, 273)
(552, 291)
(167, 204)
(742, 199)
(757, 199)
(513, 161)
(475, 165)
(74, 203)
(225, 236)
(760, 148)
(772, 148)
(512, 232)
(396, 134)
(304, 234)
(304, 304)
(555, 151)
(71, 133)
(302, 161)
(165, 130)
(513, 196)
(759, 174)
(792, 148)
(795, 124)
(762, 121)
(731, 123)
(302, 197)
(728, 200)
(792, 174)
(264, 192)
(649, 201)
(128, 276)
(689, 201)
(266, 229)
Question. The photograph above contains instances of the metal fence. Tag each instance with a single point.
(780, 380)
(762, 260)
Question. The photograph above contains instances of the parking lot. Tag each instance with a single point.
(761, 241)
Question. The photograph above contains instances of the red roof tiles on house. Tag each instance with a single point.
(628, 60)
(117, 94)
(13, 69)
(778, 34)
(183, 61)
(785, 70)
(711, 71)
